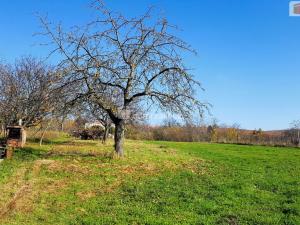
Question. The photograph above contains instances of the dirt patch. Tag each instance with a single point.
(78, 169)
(56, 186)
(112, 187)
(39, 163)
(72, 167)
(194, 165)
(84, 195)
(141, 168)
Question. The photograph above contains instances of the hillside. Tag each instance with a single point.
(78, 182)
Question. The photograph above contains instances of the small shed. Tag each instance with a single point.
(16, 136)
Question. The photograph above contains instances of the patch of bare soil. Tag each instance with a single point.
(38, 163)
(70, 167)
(84, 195)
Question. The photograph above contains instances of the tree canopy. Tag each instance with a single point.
(118, 62)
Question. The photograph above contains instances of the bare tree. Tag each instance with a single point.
(237, 127)
(117, 61)
(26, 92)
(171, 122)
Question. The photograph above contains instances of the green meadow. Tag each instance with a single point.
(69, 181)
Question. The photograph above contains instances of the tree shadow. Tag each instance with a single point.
(73, 142)
(28, 154)
(48, 141)
(32, 154)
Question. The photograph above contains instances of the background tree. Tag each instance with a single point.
(26, 92)
(257, 135)
(212, 130)
(295, 129)
(232, 133)
(117, 61)
(170, 122)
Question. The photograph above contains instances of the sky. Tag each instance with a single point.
(248, 51)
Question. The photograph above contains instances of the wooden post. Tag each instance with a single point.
(9, 152)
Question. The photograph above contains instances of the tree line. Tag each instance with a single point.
(216, 133)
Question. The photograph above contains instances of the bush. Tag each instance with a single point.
(92, 133)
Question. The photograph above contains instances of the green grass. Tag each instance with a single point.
(79, 182)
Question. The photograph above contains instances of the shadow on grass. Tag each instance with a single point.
(28, 154)
(105, 154)
(31, 154)
(65, 141)
(48, 141)
(82, 143)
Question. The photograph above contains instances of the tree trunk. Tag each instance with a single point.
(42, 137)
(119, 137)
(62, 127)
(43, 133)
(105, 135)
(1, 130)
(298, 137)
(62, 124)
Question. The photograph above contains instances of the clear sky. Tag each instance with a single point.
(249, 51)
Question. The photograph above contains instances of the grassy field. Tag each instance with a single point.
(78, 182)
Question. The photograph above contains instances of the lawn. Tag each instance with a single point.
(79, 182)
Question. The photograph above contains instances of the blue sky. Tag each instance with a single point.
(249, 51)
